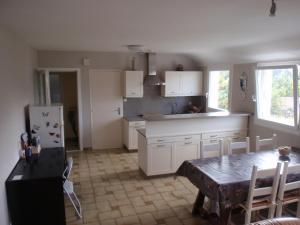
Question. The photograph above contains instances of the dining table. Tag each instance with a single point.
(225, 180)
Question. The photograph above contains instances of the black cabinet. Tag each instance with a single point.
(37, 198)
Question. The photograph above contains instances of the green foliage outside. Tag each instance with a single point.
(282, 86)
(223, 89)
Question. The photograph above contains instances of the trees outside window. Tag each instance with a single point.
(277, 94)
(218, 91)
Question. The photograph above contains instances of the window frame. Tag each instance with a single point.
(273, 124)
(229, 88)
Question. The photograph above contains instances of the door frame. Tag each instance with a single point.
(91, 107)
(79, 95)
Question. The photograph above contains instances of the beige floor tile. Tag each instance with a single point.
(128, 220)
(113, 191)
(109, 215)
(127, 210)
(173, 221)
(147, 219)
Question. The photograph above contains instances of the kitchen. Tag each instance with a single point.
(159, 125)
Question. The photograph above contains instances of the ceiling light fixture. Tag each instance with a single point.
(273, 9)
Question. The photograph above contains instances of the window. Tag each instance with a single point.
(218, 89)
(277, 91)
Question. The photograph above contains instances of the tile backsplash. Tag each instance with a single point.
(152, 102)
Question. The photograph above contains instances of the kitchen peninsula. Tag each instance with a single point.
(168, 140)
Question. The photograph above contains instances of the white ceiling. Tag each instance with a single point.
(215, 31)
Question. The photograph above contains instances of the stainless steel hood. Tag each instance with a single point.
(152, 78)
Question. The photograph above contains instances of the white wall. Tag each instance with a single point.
(105, 60)
(247, 105)
(17, 61)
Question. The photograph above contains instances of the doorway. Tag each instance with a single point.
(63, 90)
(62, 86)
(106, 109)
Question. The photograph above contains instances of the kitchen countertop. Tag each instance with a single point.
(193, 116)
(133, 118)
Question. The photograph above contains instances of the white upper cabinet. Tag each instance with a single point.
(191, 83)
(133, 84)
(172, 80)
(182, 83)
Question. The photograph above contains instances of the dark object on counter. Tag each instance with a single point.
(193, 109)
(24, 140)
(35, 193)
(28, 154)
(179, 67)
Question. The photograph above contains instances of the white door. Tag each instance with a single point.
(106, 109)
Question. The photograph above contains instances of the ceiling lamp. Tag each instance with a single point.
(273, 9)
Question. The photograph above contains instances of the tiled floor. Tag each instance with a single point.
(112, 191)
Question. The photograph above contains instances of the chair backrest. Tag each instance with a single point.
(271, 142)
(233, 146)
(68, 168)
(284, 186)
(263, 191)
(210, 150)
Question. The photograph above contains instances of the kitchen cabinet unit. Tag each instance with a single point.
(168, 141)
(130, 135)
(182, 83)
(186, 150)
(161, 158)
(172, 84)
(133, 84)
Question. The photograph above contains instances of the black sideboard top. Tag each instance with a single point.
(51, 163)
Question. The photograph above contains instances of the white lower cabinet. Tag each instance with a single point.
(130, 134)
(161, 158)
(187, 150)
(164, 155)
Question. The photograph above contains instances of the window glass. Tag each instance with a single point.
(218, 93)
(275, 95)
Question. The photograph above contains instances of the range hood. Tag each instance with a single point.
(151, 78)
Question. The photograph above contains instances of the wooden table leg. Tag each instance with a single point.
(225, 214)
(198, 203)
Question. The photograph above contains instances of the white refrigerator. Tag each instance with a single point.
(47, 122)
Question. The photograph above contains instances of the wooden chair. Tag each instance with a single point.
(234, 146)
(272, 142)
(288, 192)
(211, 150)
(264, 197)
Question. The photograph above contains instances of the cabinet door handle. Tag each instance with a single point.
(133, 93)
(188, 143)
(213, 136)
(188, 138)
(160, 140)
